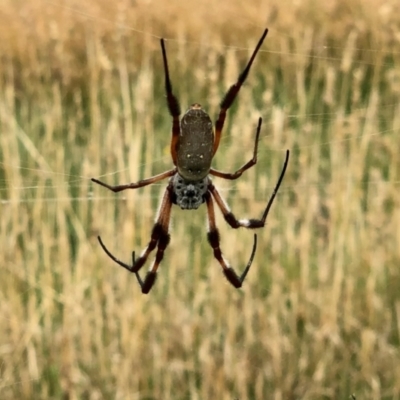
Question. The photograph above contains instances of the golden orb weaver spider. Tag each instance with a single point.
(193, 146)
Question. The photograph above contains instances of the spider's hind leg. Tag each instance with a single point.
(214, 240)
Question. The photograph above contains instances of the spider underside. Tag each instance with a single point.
(193, 146)
(189, 195)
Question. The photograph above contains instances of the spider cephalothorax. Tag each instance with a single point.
(193, 145)
(189, 195)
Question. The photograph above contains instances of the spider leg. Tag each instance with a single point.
(214, 240)
(115, 259)
(119, 262)
(246, 166)
(159, 238)
(247, 223)
(173, 106)
(136, 185)
(231, 94)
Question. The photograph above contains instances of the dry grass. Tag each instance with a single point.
(81, 95)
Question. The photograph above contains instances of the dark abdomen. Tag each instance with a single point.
(195, 145)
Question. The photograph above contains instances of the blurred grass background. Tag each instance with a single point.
(81, 96)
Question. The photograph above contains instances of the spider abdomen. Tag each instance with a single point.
(189, 195)
(195, 145)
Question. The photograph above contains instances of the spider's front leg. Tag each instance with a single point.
(247, 223)
(159, 238)
(213, 234)
(214, 240)
(121, 263)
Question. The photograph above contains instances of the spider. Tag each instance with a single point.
(193, 146)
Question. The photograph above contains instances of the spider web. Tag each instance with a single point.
(65, 181)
